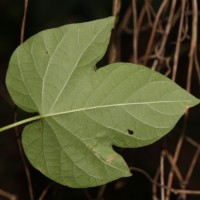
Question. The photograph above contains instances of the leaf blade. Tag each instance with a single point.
(85, 112)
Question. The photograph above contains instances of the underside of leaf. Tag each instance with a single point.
(86, 111)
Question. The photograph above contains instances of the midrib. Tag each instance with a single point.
(108, 106)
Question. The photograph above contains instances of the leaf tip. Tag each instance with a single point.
(111, 20)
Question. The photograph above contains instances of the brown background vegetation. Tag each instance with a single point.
(162, 35)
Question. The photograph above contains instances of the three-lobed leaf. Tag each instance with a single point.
(85, 111)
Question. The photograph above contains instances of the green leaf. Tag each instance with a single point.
(85, 111)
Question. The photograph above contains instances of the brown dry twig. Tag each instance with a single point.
(101, 192)
(161, 50)
(162, 174)
(193, 43)
(178, 41)
(153, 33)
(116, 8)
(192, 142)
(197, 66)
(135, 32)
(175, 159)
(44, 192)
(174, 167)
(24, 21)
(189, 75)
(146, 9)
(154, 186)
(172, 190)
(185, 182)
(25, 166)
(115, 50)
(7, 195)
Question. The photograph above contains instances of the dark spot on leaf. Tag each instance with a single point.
(130, 131)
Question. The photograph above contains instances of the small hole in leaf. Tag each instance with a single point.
(130, 131)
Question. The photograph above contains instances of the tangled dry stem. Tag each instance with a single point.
(160, 26)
